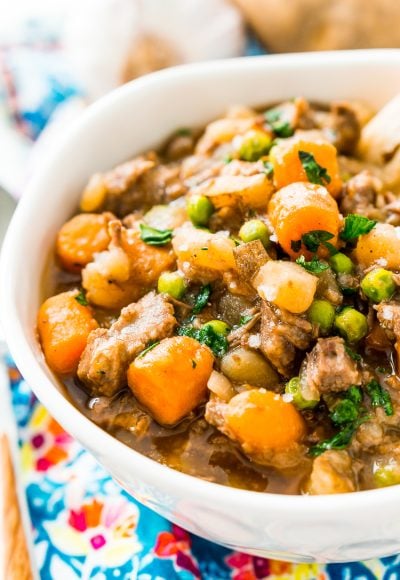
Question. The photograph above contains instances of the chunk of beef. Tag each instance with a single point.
(105, 191)
(344, 127)
(136, 184)
(329, 367)
(360, 193)
(328, 288)
(249, 258)
(332, 472)
(119, 412)
(389, 317)
(281, 334)
(105, 360)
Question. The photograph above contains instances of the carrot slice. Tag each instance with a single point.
(171, 379)
(80, 238)
(64, 326)
(300, 208)
(288, 167)
(262, 421)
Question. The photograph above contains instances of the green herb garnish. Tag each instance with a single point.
(183, 132)
(268, 168)
(313, 239)
(194, 364)
(348, 415)
(315, 172)
(207, 336)
(148, 348)
(245, 319)
(315, 266)
(352, 354)
(154, 237)
(356, 225)
(339, 441)
(81, 298)
(379, 397)
(202, 299)
(295, 245)
(280, 127)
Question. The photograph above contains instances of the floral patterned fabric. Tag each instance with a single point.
(85, 526)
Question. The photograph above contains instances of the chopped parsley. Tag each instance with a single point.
(81, 298)
(183, 132)
(379, 397)
(315, 238)
(268, 168)
(202, 299)
(207, 336)
(348, 414)
(154, 237)
(194, 364)
(315, 172)
(295, 245)
(339, 441)
(348, 408)
(280, 127)
(148, 348)
(356, 225)
(352, 354)
(315, 266)
(245, 319)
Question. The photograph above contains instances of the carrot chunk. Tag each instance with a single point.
(64, 326)
(289, 168)
(262, 421)
(300, 208)
(80, 238)
(171, 379)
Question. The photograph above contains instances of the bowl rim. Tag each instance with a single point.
(63, 410)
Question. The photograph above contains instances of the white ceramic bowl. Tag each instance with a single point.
(128, 121)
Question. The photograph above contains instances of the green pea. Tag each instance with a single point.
(378, 285)
(255, 230)
(341, 263)
(351, 324)
(172, 283)
(254, 145)
(199, 209)
(218, 326)
(387, 474)
(293, 387)
(322, 313)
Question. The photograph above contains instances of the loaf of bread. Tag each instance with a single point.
(303, 25)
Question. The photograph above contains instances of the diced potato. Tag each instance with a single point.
(289, 169)
(166, 217)
(247, 366)
(223, 131)
(381, 136)
(220, 386)
(287, 285)
(381, 246)
(171, 379)
(201, 249)
(228, 190)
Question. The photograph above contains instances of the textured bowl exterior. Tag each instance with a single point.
(128, 121)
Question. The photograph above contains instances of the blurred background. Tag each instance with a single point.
(56, 56)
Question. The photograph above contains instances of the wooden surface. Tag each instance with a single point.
(16, 565)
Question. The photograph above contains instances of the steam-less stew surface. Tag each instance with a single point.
(230, 305)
